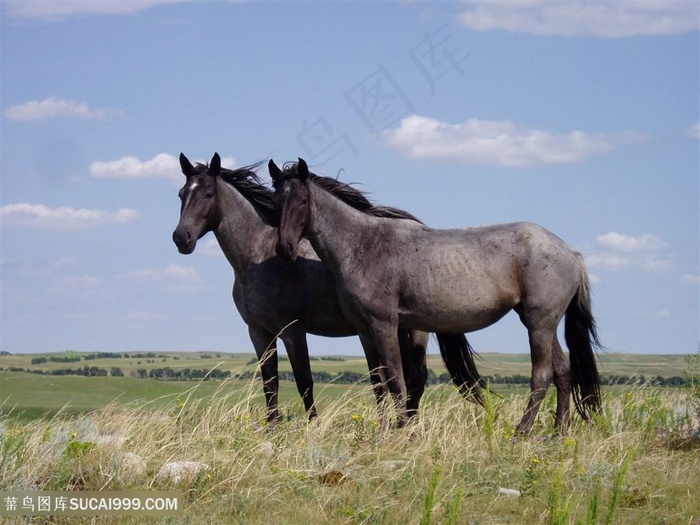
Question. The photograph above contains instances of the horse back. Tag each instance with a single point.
(471, 277)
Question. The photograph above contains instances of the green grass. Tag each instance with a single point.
(488, 363)
(638, 463)
(28, 396)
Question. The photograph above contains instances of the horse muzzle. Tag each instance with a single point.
(185, 241)
(286, 251)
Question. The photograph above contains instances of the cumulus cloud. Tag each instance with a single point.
(694, 131)
(630, 243)
(597, 18)
(494, 143)
(617, 251)
(55, 107)
(162, 166)
(41, 216)
(65, 8)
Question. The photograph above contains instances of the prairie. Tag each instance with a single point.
(637, 462)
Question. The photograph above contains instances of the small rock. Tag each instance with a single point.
(390, 465)
(178, 471)
(513, 493)
(267, 450)
(133, 466)
(110, 441)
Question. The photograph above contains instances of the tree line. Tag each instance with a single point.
(345, 377)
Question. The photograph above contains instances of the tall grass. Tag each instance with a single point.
(458, 463)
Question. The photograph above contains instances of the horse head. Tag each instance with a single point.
(292, 204)
(200, 210)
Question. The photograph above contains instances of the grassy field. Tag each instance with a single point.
(489, 363)
(28, 396)
(638, 462)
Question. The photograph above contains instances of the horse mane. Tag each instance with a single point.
(251, 186)
(352, 196)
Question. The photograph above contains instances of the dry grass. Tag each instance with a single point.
(638, 463)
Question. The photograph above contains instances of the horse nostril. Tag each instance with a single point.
(182, 238)
(285, 251)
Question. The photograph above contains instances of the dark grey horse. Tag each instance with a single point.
(274, 298)
(402, 274)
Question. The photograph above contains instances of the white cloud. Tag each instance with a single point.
(77, 286)
(694, 131)
(494, 143)
(630, 243)
(690, 278)
(174, 278)
(598, 18)
(82, 282)
(209, 247)
(175, 271)
(162, 166)
(40, 216)
(64, 8)
(55, 107)
(616, 251)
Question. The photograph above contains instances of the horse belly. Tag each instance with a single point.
(459, 305)
(439, 317)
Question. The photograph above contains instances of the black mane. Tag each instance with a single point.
(251, 186)
(352, 196)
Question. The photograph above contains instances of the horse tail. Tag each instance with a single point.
(581, 337)
(458, 356)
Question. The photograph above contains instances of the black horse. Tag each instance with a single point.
(277, 299)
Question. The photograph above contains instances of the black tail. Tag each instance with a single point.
(582, 339)
(458, 356)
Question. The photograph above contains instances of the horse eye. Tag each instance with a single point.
(209, 194)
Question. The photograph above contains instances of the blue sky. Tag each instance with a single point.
(583, 117)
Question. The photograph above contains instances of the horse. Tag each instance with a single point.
(273, 298)
(404, 275)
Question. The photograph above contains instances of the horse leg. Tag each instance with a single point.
(376, 372)
(297, 348)
(542, 373)
(413, 346)
(562, 381)
(266, 350)
(384, 342)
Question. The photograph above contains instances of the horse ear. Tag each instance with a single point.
(302, 169)
(275, 172)
(215, 166)
(185, 165)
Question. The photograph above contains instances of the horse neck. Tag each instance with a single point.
(243, 236)
(336, 228)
